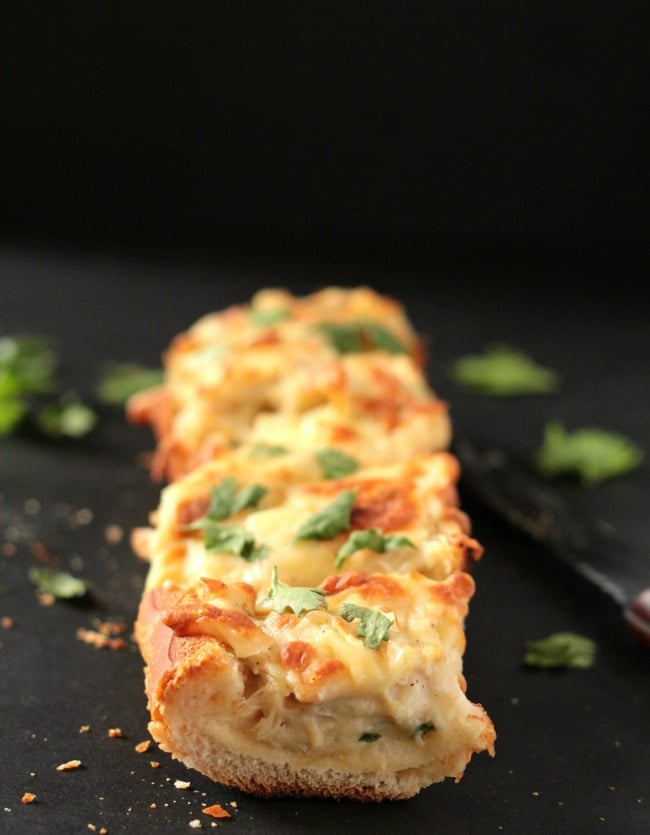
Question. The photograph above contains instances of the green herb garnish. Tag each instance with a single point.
(373, 624)
(594, 454)
(365, 335)
(369, 736)
(12, 411)
(68, 417)
(27, 365)
(262, 450)
(267, 318)
(329, 521)
(59, 584)
(230, 539)
(120, 380)
(561, 649)
(298, 599)
(503, 371)
(373, 539)
(336, 464)
(424, 728)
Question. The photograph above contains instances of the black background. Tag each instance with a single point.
(417, 132)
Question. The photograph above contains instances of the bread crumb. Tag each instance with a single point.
(70, 765)
(233, 803)
(115, 733)
(7, 622)
(8, 549)
(155, 764)
(113, 534)
(99, 640)
(84, 729)
(28, 797)
(141, 747)
(153, 806)
(217, 811)
(45, 598)
(181, 784)
(196, 824)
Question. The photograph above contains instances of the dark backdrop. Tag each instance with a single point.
(366, 128)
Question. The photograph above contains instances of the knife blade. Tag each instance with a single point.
(533, 507)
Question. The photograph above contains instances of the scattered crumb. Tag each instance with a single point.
(612, 788)
(99, 639)
(69, 766)
(141, 747)
(8, 549)
(535, 794)
(196, 824)
(155, 764)
(216, 811)
(84, 729)
(31, 507)
(181, 784)
(115, 733)
(152, 806)
(7, 622)
(28, 797)
(84, 516)
(45, 598)
(114, 534)
(233, 803)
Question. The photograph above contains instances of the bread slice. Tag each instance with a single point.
(279, 703)
(340, 367)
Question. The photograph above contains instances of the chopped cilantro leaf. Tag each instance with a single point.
(369, 736)
(59, 584)
(593, 454)
(424, 728)
(27, 365)
(261, 450)
(118, 381)
(67, 417)
(336, 464)
(12, 411)
(373, 539)
(373, 624)
(364, 335)
(226, 500)
(503, 371)
(298, 599)
(267, 318)
(231, 539)
(329, 521)
(561, 649)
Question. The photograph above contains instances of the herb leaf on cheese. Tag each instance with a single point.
(262, 450)
(373, 539)
(593, 454)
(365, 335)
(118, 381)
(561, 649)
(231, 539)
(335, 463)
(369, 736)
(268, 317)
(226, 499)
(331, 520)
(503, 371)
(298, 599)
(373, 624)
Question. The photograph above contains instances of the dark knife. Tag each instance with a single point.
(530, 504)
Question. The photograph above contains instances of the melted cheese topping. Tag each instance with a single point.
(415, 500)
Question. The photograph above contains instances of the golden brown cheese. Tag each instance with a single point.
(410, 507)
(340, 366)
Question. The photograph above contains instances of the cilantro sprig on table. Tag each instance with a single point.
(118, 381)
(592, 453)
(503, 371)
(31, 393)
(561, 649)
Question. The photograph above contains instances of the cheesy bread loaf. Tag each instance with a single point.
(309, 565)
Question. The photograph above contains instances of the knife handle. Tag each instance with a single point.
(637, 615)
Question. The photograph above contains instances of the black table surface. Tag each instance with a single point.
(573, 746)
